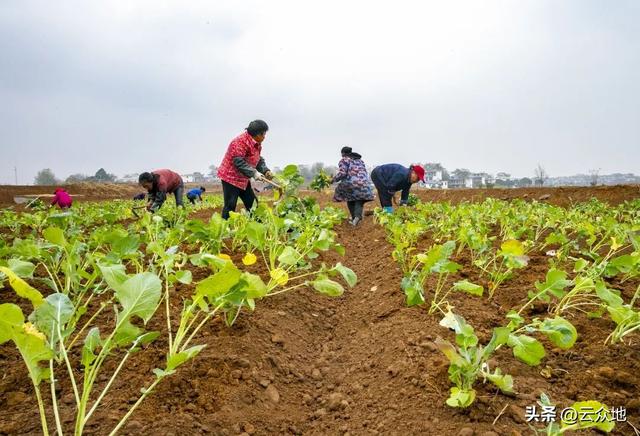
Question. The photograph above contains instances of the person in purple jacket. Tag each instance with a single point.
(354, 186)
(62, 199)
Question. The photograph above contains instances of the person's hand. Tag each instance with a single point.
(268, 175)
(394, 200)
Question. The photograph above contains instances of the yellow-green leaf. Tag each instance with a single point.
(22, 288)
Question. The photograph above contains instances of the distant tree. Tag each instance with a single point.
(305, 171)
(213, 171)
(316, 168)
(102, 176)
(524, 182)
(540, 175)
(595, 176)
(76, 178)
(433, 166)
(331, 170)
(505, 183)
(45, 177)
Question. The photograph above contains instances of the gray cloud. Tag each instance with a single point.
(491, 85)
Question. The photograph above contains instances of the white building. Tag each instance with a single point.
(193, 178)
(434, 175)
(478, 180)
(129, 178)
(455, 182)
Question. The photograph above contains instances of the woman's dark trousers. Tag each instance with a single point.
(355, 208)
(231, 194)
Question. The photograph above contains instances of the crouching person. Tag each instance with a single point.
(159, 184)
(391, 178)
(62, 199)
(195, 194)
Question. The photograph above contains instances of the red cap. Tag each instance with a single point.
(419, 171)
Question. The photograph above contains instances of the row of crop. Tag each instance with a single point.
(84, 216)
(77, 266)
(596, 241)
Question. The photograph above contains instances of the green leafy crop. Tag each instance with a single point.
(321, 181)
(469, 361)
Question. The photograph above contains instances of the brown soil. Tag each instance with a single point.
(360, 364)
(564, 196)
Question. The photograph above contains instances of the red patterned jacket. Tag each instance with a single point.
(241, 161)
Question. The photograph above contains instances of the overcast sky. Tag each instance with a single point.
(486, 85)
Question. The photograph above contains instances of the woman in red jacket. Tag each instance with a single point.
(158, 184)
(242, 162)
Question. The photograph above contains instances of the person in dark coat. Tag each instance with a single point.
(195, 194)
(243, 161)
(160, 183)
(391, 178)
(139, 197)
(354, 186)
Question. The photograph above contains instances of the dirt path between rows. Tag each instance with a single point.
(308, 364)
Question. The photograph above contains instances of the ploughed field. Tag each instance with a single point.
(271, 333)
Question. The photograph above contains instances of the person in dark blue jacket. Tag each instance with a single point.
(195, 194)
(391, 178)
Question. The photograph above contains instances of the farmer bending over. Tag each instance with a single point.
(242, 162)
(158, 184)
(391, 178)
(62, 199)
(195, 194)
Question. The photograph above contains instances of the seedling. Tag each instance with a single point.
(469, 361)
